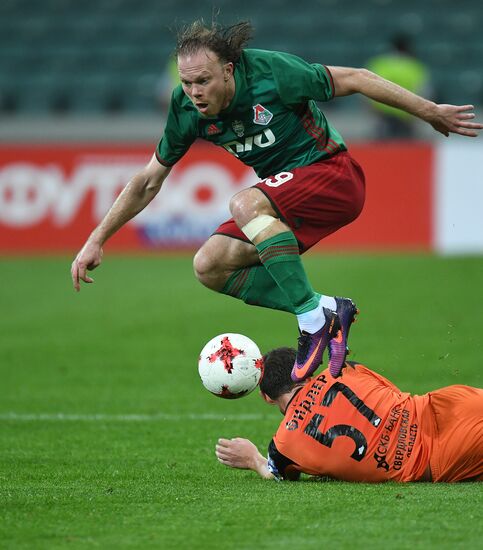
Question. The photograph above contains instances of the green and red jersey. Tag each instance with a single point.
(272, 123)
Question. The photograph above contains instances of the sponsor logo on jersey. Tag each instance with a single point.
(238, 127)
(262, 140)
(213, 129)
(261, 115)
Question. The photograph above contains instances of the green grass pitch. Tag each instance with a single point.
(107, 436)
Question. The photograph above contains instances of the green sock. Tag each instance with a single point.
(281, 258)
(255, 286)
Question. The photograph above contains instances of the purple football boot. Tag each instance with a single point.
(311, 347)
(338, 349)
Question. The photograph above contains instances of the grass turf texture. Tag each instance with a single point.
(128, 345)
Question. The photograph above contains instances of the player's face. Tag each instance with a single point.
(207, 81)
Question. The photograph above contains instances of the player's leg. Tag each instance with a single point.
(227, 264)
(278, 250)
(312, 201)
(321, 198)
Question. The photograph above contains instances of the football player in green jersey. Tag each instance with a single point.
(260, 106)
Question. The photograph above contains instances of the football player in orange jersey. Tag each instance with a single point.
(361, 427)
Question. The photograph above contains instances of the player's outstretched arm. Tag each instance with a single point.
(137, 194)
(456, 119)
(242, 453)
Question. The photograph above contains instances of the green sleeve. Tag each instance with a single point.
(298, 81)
(178, 135)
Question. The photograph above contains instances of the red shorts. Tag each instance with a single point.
(314, 200)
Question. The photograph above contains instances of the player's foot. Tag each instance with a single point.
(338, 349)
(311, 347)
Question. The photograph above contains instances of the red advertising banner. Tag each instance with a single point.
(398, 213)
(51, 197)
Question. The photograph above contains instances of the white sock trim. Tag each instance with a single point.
(257, 225)
(329, 302)
(313, 320)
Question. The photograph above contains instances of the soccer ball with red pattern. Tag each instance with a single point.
(230, 365)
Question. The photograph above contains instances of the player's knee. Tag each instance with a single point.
(248, 204)
(207, 269)
(203, 266)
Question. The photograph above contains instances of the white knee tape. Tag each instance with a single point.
(257, 225)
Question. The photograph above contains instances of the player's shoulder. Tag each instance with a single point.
(355, 368)
(355, 364)
(358, 375)
(255, 55)
(283, 67)
(351, 369)
(267, 60)
(256, 60)
(352, 372)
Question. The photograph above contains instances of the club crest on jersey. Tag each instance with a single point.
(238, 127)
(261, 115)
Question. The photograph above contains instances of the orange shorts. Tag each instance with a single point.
(457, 453)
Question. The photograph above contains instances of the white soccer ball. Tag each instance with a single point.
(230, 365)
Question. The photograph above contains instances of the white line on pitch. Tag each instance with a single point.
(128, 417)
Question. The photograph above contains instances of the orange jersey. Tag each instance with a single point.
(359, 427)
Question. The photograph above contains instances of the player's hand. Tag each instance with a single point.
(237, 453)
(455, 119)
(88, 259)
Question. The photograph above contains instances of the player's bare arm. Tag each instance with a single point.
(446, 119)
(243, 454)
(137, 194)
